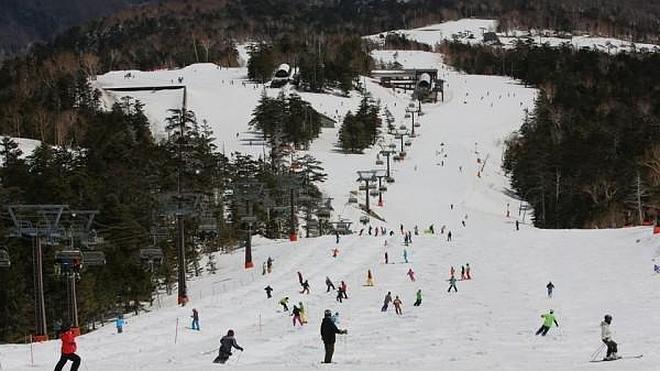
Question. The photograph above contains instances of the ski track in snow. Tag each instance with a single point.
(489, 323)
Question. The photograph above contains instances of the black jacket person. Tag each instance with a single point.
(328, 331)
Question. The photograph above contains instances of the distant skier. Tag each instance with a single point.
(418, 298)
(549, 320)
(328, 335)
(226, 344)
(370, 230)
(416, 231)
(284, 303)
(550, 287)
(432, 229)
(462, 272)
(269, 264)
(397, 305)
(300, 278)
(195, 320)
(449, 236)
(344, 289)
(606, 336)
(405, 255)
(452, 284)
(387, 259)
(329, 284)
(467, 271)
(411, 274)
(370, 278)
(305, 287)
(335, 252)
(68, 338)
(268, 290)
(263, 269)
(119, 323)
(340, 295)
(452, 271)
(386, 301)
(337, 237)
(517, 225)
(303, 313)
(296, 315)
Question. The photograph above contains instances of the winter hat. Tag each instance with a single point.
(327, 313)
(230, 332)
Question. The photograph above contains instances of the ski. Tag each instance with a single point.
(616, 359)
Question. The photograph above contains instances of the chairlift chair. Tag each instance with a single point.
(379, 162)
(352, 200)
(417, 124)
(402, 127)
(93, 258)
(151, 255)
(362, 187)
(407, 115)
(69, 259)
(5, 262)
(383, 188)
(373, 193)
(408, 143)
(364, 219)
(389, 180)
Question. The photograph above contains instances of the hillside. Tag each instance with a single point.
(488, 323)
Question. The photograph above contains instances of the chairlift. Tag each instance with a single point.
(373, 193)
(412, 105)
(93, 258)
(383, 188)
(408, 143)
(151, 255)
(372, 186)
(421, 113)
(392, 145)
(69, 259)
(389, 180)
(407, 115)
(364, 219)
(352, 200)
(323, 213)
(379, 162)
(417, 124)
(396, 158)
(362, 187)
(402, 127)
(5, 262)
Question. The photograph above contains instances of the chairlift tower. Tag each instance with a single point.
(413, 109)
(40, 223)
(401, 134)
(388, 153)
(249, 192)
(381, 188)
(291, 183)
(367, 176)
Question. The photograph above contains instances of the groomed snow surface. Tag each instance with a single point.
(488, 324)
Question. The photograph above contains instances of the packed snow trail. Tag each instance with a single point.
(491, 320)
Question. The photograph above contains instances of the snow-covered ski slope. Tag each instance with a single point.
(488, 324)
(470, 31)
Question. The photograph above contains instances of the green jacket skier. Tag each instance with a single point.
(549, 320)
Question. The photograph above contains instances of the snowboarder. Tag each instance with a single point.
(284, 303)
(195, 320)
(397, 305)
(328, 335)
(269, 264)
(411, 274)
(387, 260)
(549, 320)
(449, 236)
(405, 255)
(467, 271)
(305, 287)
(418, 299)
(452, 284)
(226, 344)
(606, 336)
(386, 302)
(68, 338)
(550, 287)
(119, 324)
(296, 315)
(329, 284)
(370, 278)
(268, 290)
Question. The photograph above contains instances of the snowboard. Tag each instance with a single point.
(618, 358)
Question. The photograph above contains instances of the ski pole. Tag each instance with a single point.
(595, 354)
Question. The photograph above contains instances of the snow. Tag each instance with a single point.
(471, 31)
(489, 323)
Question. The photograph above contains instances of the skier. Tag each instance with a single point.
(344, 289)
(263, 269)
(303, 314)
(300, 278)
(411, 274)
(370, 278)
(462, 272)
(337, 237)
(328, 335)
(305, 287)
(340, 295)
(268, 290)
(452, 271)
(269, 264)
(387, 260)
(329, 284)
(296, 315)
(405, 255)
(431, 228)
(449, 236)
(550, 287)
(68, 338)
(548, 321)
(418, 299)
(517, 225)
(335, 252)
(195, 320)
(397, 305)
(467, 271)
(606, 336)
(386, 302)
(416, 231)
(452, 284)
(284, 303)
(119, 323)
(226, 343)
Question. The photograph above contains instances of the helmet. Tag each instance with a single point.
(608, 318)
(327, 313)
(230, 332)
(552, 311)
